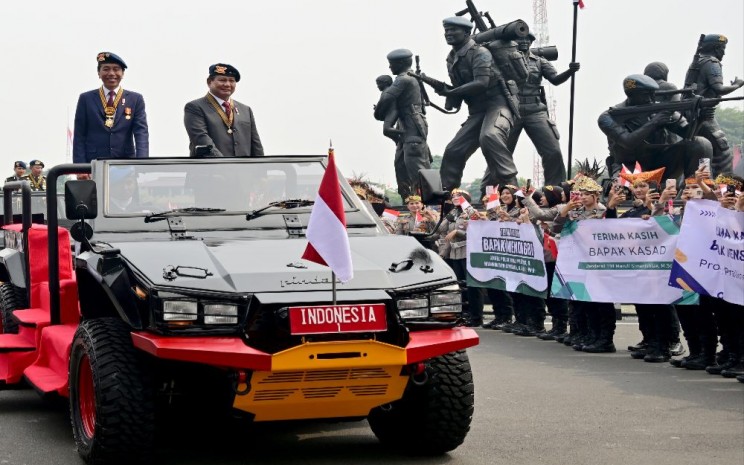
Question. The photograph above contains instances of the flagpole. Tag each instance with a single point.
(573, 83)
(333, 286)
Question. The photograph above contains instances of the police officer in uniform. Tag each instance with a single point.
(705, 76)
(35, 178)
(404, 97)
(20, 169)
(533, 113)
(474, 76)
(650, 139)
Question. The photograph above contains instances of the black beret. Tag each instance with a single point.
(458, 21)
(20, 164)
(222, 69)
(36, 163)
(715, 38)
(641, 82)
(399, 54)
(108, 57)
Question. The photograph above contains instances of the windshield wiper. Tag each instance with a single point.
(154, 217)
(283, 204)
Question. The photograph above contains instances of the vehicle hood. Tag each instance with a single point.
(251, 266)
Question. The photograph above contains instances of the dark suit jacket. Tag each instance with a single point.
(205, 127)
(128, 138)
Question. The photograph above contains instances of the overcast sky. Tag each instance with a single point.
(308, 67)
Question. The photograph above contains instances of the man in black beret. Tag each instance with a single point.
(219, 125)
(19, 168)
(110, 122)
(35, 178)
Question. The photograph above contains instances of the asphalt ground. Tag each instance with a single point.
(537, 402)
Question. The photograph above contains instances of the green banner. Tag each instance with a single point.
(495, 261)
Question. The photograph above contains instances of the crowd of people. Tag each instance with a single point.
(587, 326)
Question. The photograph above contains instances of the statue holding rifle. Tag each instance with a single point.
(403, 100)
(705, 78)
(477, 81)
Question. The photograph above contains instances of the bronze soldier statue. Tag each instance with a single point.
(403, 101)
(533, 113)
(705, 77)
(649, 137)
(659, 72)
(475, 79)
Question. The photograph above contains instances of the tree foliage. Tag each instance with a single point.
(732, 123)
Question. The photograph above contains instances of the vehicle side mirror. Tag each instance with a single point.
(81, 201)
(431, 187)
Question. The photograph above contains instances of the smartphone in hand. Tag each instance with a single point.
(670, 183)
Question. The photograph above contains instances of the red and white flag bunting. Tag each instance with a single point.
(328, 241)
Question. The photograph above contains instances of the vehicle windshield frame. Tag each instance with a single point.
(194, 167)
(357, 214)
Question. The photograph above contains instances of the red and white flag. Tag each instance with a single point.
(493, 201)
(327, 240)
(579, 2)
(419, 217)
(390, 215)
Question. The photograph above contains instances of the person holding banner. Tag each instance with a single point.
(658, 323)
(552, 202)
(595, 321)
(452, 248)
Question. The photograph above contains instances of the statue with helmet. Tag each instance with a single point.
(640, 130)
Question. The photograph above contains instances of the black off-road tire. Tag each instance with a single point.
(11, 298)
(122, 402)
(433, 418)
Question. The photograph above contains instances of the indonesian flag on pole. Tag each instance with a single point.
(327, 240)
(580, 3)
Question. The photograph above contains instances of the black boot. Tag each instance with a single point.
(658, 353)
(717, 368)
(606, 321)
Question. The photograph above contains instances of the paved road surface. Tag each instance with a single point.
(536, 402)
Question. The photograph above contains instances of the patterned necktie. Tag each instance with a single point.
(111, 95)
(226, 104)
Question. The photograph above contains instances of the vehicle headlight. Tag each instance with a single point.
(220, 314)
(180, 310)
(413, 308)
(446, 300)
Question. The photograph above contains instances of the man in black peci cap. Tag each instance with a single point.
(219, 122)
(19, 169)
(110, 122)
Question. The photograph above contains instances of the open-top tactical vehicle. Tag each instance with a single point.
(184, 285)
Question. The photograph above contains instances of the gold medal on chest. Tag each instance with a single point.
(109, 122)
(229, 130)
(110, 111)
